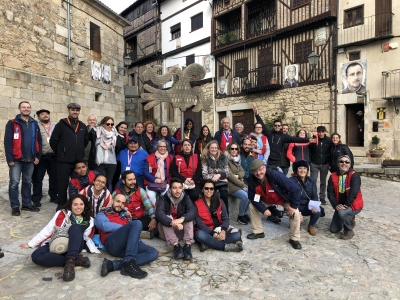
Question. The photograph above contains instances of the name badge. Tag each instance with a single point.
(257, 198)
(271, 191)
(16, 136)
(48, 140)
(127, 168)
(150, 169)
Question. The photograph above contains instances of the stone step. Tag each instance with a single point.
(358, 160)
(359, 151)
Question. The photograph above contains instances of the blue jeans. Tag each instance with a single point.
(205, 238)
(313, 217)
(125, 242)
(244, 201)
(47, 163)
(342, 219)
(26, 168)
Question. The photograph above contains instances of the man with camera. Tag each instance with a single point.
(266, 188)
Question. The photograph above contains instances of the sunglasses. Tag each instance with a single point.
(344, 162)
(110, 124)
(206, 188)
(277, 125)
(235, 149)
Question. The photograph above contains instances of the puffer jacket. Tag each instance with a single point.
(308, 190)
(320, 151)
(234, 183)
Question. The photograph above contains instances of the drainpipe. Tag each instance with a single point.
(213, 91)
(69, 29)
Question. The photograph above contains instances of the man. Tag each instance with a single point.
(48, 161)
(81, 177)
(138, 202)
(121, 237)
(175, 213)
(277, 139)
(226, 135)
(90, 150)
(221, 88)
(267, 188)
(239, 128)
(144, 142)
(285, 162)
(235, 86)
(319, 160)
(68, 141)
(246, 158)
(344, 194)
(290, 80)
(23, 148)
(134, 159)
(354, 78)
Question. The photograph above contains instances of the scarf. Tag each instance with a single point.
(160, 165)
(107, 138)
(236, 159)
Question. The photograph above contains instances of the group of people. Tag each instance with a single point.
(125, 187)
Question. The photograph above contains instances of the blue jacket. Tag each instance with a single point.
(35, 137)
(104, 224)
(245, 163)
(308, 188)
(138, 164)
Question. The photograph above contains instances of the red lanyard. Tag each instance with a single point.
(48, 130)
(77, 125)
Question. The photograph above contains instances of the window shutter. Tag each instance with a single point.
(302, 50)
(197, 21)
(221, 70)
(241, 67)
(189, 59)
(95, 44)
(176, 28)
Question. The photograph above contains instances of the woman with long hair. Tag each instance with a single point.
(122, 141)
(214, 166)
(106, 141)
(188, 133)
(204, 138)
(98, 194)
(77, 212)
(212, 222)
(150, 132)
(338, 149)
(163, 133)
(299, 151)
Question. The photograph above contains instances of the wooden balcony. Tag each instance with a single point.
(263, 78)
(261, 25)
(228, 37)
(222, 6)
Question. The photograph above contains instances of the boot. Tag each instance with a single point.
(233, 248)
(82, 261)
(347, 234)
(130, 268)
(69, 269)
(353, 221)
(203, 247)
(178, 253)
(106, 267)
(187, 252)
(311, 230)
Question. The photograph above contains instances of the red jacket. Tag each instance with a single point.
(133, 203)
(76, 183)
(17, 143)
(358, 203)
(205, 215)
(114, 218)
(185, 170)
(269, 195)
(264, 147)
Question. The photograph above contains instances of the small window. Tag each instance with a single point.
(221, 69)
(133, 80)
(354, 55)
(97, 96)
(95, 43)
(197, 21)
(189, 59)
(301, 51)
(354, 17)
(176, 31)
(241, 67)
(297, 3)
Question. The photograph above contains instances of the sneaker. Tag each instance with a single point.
(36, 204)
(246, 216)
(178, 252)
(30, 208)
(274, 219)
(254, 236)
(187, 252)
(312, 230)
(295, 244)
(347, 235)
(353, 221)
(15, 212)
(203, 247)
(106, 267)
(129, 268)
(82, 261)
(233, 248)
(242, 220)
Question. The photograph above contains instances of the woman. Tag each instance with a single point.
(214, 166)
(261, 151)
(78, 210)
(150, 132)
(163, 133)
(98, 194)
(212, 222)
(188, 134)
(236, 186)
(204, 138)
(159, 170)
(299, 151)
(308, 189)
(186, 166)
(337, 150)
(122, 141)
(106, 140)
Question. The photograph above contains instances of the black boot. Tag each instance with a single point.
(187, 252)
(178, 253)
(106, 267)
(131, 269)
(69, 269)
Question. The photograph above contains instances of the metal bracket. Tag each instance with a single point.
(395, 108)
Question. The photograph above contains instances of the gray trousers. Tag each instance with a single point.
(323, 169)
(342, 218)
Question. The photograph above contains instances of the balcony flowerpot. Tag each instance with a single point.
(376, 153)
(272, 81)
(391, 163)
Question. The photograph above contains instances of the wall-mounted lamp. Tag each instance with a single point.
(127, 63)
(341, 50)
(313, 59)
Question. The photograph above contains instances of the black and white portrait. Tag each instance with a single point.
(96, 70)
(291, 76)
(222, 88)
(354, 77)
(106, 74)
(235, 86)
(207, 63)
(320, 35)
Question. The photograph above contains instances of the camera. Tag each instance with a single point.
(275, 212)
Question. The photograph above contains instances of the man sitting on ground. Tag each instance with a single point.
(121, 238)
(81, 178)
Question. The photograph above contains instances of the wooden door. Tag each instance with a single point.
(383, 17)
(246, 117)
(221, 115)
(196, 117)
(353, 136)
(264, 66)
(147, 115)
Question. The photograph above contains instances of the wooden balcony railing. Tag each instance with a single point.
(260, 26)
(228, 36)
(263, 78)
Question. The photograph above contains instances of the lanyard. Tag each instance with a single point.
(187, 134)
(77, 125)
(130, 158)
(48, 129)
(227, 136)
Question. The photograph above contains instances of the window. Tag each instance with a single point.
(301, 51)
(189, 59)
(297, 3)
(95, 43)
(221, 70)
(150, 36)
(355, 55)
(197, 21)
(176, 31)
(97, 96)
(241, 67)
(354, 17)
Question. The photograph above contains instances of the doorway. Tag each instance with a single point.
(196, 117)
(354, 138)
(147, 115)
(246, 117)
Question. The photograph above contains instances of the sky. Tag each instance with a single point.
(117, 5)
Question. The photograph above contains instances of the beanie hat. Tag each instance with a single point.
(300, 163)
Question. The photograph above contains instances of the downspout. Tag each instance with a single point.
(213, 92)
(335, 42)
(69, 29)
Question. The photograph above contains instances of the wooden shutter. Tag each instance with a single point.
(221, 70)
(241, 67)
(302, 50)
(190, 59)
(95, 43)
(197, 21)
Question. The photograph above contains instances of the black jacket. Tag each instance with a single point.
(276, 141)
(235, 137)
(336, 152)
(121, 144)
(144, 141)
(185, 208)
(67, 145)
(320, 153)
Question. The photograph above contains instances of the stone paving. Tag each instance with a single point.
(366, 267)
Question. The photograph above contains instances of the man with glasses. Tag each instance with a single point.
(319, 160)
(344, 194)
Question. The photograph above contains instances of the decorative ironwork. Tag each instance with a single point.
(263, 78)
(229, 36)
(261, 25)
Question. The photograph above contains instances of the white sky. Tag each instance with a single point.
(118, 5)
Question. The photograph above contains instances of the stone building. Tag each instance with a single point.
(40, 64)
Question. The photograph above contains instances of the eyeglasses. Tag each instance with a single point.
(277, 125)
(258, 127)
(235, 149)
(206, 188)
(110, 124)
(344, 162)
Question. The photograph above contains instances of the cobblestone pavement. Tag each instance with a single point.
(366, 267)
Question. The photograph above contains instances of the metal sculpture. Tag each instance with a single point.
(181, 95)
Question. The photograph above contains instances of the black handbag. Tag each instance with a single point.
(220, 184)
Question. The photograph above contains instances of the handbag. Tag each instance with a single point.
(157, 187)
(59, 239)
(220, 184)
